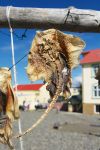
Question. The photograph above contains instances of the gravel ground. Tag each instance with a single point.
(75, 132)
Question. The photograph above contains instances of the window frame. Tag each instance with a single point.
(94, 69)
(96, 91)
(95, 105)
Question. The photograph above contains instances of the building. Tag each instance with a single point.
(30, 93)
(90, 88)
(75, 91)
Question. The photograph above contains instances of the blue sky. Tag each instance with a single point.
(22, 46)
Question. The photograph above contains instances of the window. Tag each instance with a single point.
(96, 91)
(95, 69)
(97, 108)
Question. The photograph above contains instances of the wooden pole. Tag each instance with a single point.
(70, 19)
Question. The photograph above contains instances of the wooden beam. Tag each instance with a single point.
(70, 19)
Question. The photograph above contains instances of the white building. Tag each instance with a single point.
(30, 93)
(90, 89)
(75, 91)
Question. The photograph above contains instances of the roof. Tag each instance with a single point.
(29, 87)
(92, 56)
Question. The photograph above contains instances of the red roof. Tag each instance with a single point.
(29, 87)
(91, 56)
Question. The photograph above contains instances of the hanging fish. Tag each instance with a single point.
(52, 57)
(9, 110)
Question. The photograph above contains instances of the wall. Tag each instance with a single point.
(28, 96)
(87, 84)
(88, 108)
(44, 94)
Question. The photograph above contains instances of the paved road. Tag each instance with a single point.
(75, 132)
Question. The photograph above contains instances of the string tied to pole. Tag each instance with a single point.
(8, 9)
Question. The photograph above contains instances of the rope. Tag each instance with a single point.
(18, 61)
(14, 67)
(51, 105)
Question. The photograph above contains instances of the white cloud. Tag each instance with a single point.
(77, 80)
(5, 48)
(8, 47)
